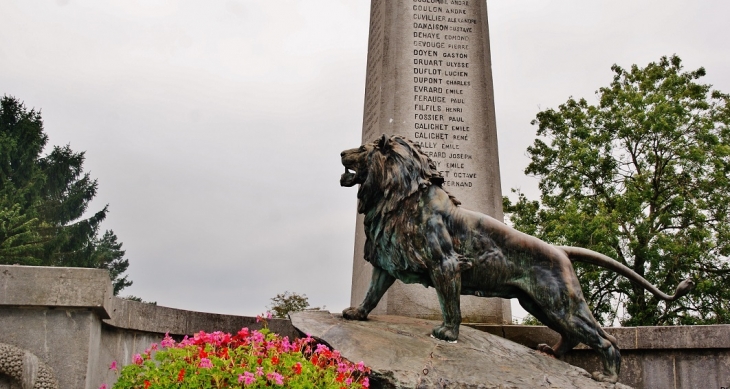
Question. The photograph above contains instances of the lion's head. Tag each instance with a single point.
(388, 171)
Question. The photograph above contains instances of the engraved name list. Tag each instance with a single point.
(440, 63)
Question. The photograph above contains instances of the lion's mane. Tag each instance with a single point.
(398, 173)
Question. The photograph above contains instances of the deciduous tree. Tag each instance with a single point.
(286, 302)
(641, 176)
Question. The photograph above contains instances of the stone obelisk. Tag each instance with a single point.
(429, 78)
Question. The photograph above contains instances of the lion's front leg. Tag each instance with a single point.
(379, 284)
(446, 277)
(447, 281)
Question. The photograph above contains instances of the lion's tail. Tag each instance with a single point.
(598, 259)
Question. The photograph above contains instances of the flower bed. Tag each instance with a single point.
(248, 359)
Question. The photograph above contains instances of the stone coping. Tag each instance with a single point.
(145, 317)
(79, 288)
(62, 287)
(629, 338)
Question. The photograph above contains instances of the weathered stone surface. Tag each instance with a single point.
(401, 354)
(57, 286)
(80, 290)
(72, 339)
(629, 338)
(134, 315)
(25, 368)
(56, 314)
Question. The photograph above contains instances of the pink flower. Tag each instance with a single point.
(103, 386)
(360, 366)
(342, 368)
(365, 382)
(247, 378)
(348, 381)
(259, 371)
(167, 342)
(322, 348)
(276, 377)
(113, 366)
(257, 337)
(243, 333)
(268, 315)
(185, 342)
(205, 363)
(286, 345)
(137, 359)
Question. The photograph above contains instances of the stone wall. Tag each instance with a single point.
(69, 319)
(652, 357)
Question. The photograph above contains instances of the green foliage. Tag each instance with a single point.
(250, 359)
(138, 299)
(19, 240)
(528, 320)
(43, 200)
(643, 177)
(287, 302)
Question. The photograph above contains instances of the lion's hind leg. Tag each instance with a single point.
(584, 327)
(563, 345)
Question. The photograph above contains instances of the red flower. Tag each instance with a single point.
(315, 360)
(275, 360)
(259, 361)
(181, 375)
(202, 354)
(340, 377)
(146, 384)
(298, 368)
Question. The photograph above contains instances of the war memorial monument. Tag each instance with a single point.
(429, 79)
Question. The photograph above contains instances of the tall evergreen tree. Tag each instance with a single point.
(43, 200)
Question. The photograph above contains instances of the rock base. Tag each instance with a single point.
(402, 354)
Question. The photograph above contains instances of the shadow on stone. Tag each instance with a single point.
(402, 354)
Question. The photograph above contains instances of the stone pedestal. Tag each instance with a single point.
(429, 79)
(401, 354)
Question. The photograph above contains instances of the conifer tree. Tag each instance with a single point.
(43, 200)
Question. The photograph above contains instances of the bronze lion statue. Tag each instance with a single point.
(417, 233)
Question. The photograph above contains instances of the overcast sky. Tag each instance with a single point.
(214, 127)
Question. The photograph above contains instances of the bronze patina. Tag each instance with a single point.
(417, 233)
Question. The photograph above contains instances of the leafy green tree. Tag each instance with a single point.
(43, 200)
(528, 320)
(643, 177)
(287, 302)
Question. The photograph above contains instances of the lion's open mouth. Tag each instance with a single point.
(348, 178)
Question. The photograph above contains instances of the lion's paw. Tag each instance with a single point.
(354, 313)
(543, 348)
(600, 377)
(446, 333)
